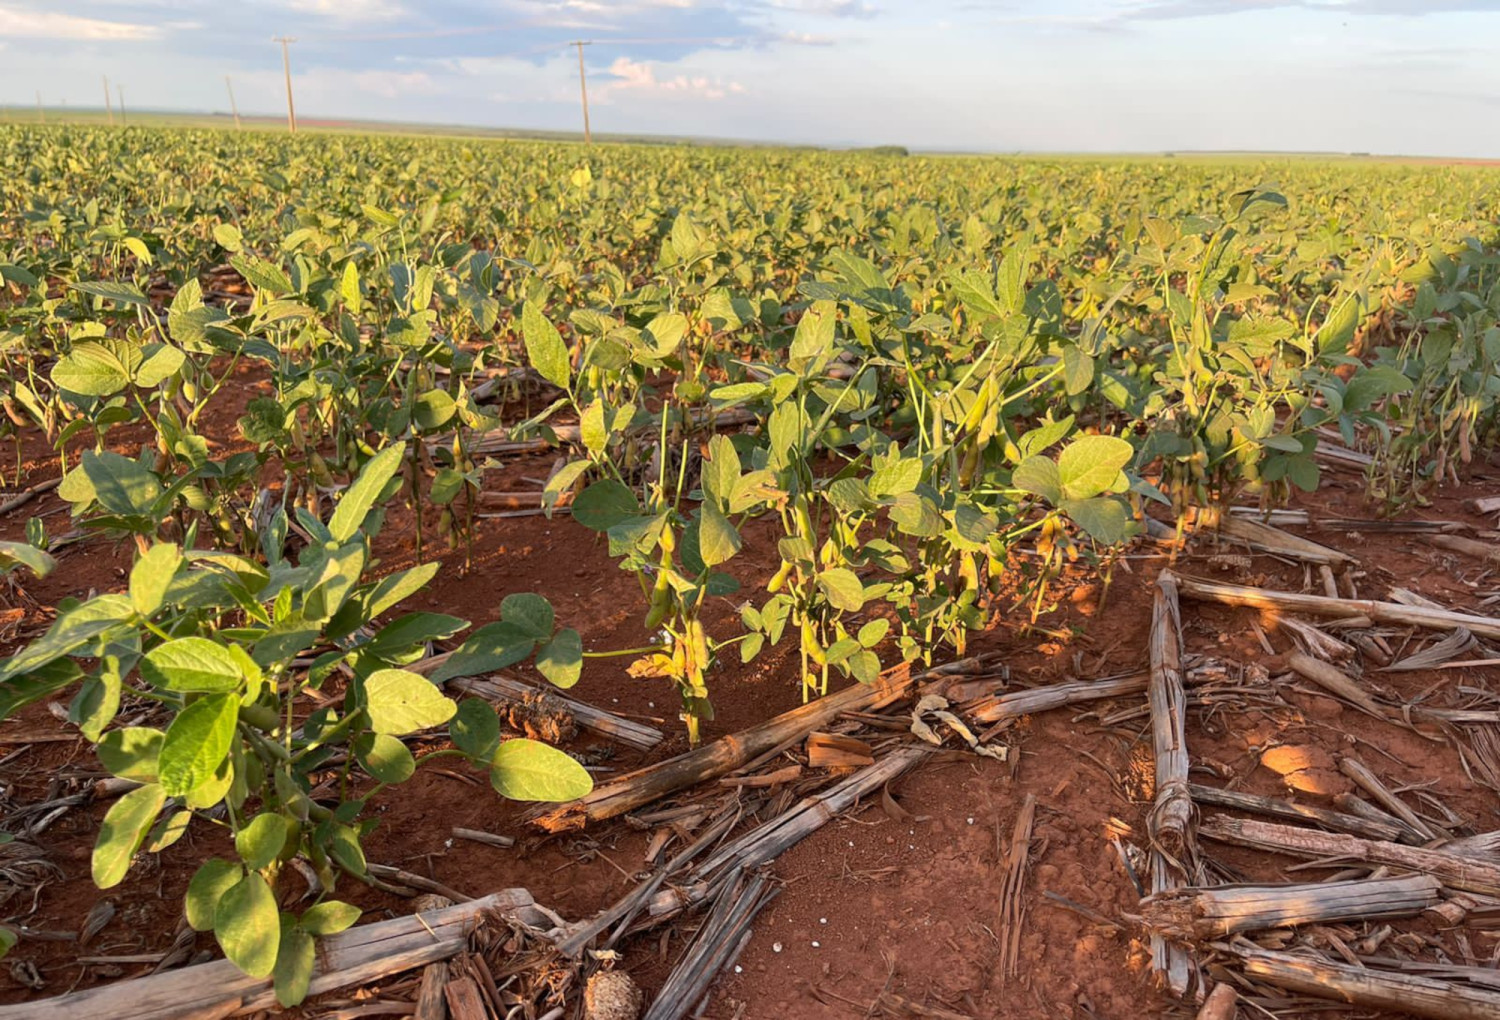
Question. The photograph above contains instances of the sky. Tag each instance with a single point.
(1415, 77)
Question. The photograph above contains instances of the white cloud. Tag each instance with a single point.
(806, 39)
(393, 84)
(640, 77)
(22, 24)
(331, 85)
(826, 8)
(349, 11)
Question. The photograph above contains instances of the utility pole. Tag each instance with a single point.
(110, 110)
(232, 107)
(40, 113)
(286, 66)
(583, 89)
(120, 91)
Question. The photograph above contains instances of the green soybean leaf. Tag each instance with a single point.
(663, 334)
(389, 591)
(1339, 327)
(169, 830)
(491, 647)
(721, 468)
(247, 926)
(328, 918)
(123, 831)
(361, 495)
(898, 477)
(605, 504)
(385, 758)
(530, 770)
(90, 370)
(159, 362)
(349, 288)
(972, 527)
(228, 237)
(915, 514)
(475, 729)
(213, 789)
(13, 554)
(717, 538)
(131, 752)
(260, 841)
(874, 632)
(592, 428)
(1303, 472)
(152, 575)
(98, 701)
(1039, 476)
(1106, 520)
(813, 341)
(124, 293)
(192, 664)
(343, 846)
(865, 666)
(561, 483)
(1092, 464)
(532, 613)
(840, 650)
(294, 966)
(1078, 371)
(1044, 435)
(561, 659)
(379, 216)
(842, 588)
(400, 702)
(210, 882)
(18, 275)
(73, 630)
(121, 485)
(412, 632)
(1371, 385)
(446, 485)
(197, 742)
(433, 410)
(544, 346)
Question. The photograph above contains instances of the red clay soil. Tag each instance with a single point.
(869, 903)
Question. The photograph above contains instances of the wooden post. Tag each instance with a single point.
(1205, 913)
(430, 1004)
(583, 89)
(1340, 609)
(1000, 708)
(1170, 823)
(354, 957)
(120, 92)
(1353, 824)
(1456, 871)
(1368, 988)
(233, 108)
(286, 68)
(710, 761)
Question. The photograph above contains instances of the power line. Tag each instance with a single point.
(108, 109)
(286, 67)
